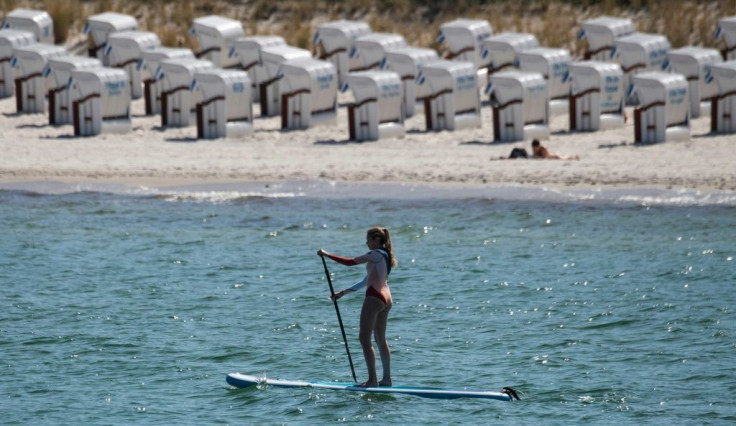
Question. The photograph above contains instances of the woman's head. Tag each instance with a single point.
(382, 239)
(376, 233)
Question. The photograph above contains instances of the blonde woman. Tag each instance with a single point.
(377, 303)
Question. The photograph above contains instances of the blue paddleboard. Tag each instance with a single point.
(244, 380)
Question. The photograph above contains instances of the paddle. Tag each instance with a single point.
(339, 318)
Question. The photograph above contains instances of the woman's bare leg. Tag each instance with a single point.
(379, 334)
(368, 316)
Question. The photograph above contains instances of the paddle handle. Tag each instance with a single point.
(339, 318)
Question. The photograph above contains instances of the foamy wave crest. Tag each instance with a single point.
(220, 197)
(216, 193)
(681, 198)
(650, 196)
(685, 200)
(205, 193)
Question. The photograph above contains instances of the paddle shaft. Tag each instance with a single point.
(339, 318)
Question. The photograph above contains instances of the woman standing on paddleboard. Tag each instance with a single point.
(377, 304)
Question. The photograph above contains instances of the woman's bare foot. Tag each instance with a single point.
(385, 383)
(368, 385)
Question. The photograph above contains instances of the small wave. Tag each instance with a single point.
(215, 193)
(683, 198)
(650, 196)
(217, 197)
(613, 324)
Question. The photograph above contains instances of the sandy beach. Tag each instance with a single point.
(33, 151)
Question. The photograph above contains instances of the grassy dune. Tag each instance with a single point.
(554, 22)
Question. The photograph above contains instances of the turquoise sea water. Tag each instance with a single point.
(128, 306)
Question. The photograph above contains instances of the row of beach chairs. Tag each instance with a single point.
(389, 81)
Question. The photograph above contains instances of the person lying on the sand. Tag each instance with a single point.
(540, 151)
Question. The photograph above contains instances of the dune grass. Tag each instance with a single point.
(554, 22)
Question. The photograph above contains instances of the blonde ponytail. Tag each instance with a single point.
(385, 237)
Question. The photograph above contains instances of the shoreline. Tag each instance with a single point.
(397, 191)
(34, 151)
(174, 182)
